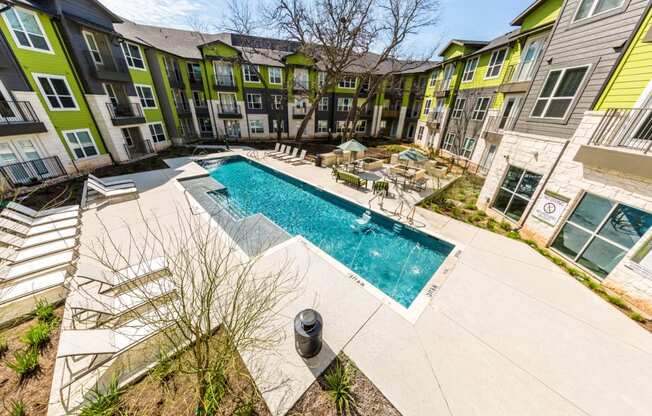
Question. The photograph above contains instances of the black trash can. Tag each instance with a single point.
(308, 327)
(318, 161)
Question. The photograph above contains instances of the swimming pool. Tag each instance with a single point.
(394, 258)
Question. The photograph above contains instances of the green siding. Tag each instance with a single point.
(55, 64)
(546, 13)
(632, 75)
(145, 78)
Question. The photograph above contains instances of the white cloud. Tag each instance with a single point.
(170, 13)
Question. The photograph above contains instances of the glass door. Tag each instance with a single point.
(8, 110)
(509, 110)
(531, 53)
(488, 157)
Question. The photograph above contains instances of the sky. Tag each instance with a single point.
(461, 19)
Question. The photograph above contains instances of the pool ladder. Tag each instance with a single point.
(398, 227)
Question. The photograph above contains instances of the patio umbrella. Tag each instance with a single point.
(353, 146)
(412, 155)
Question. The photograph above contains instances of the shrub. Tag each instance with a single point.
(339, 384)
(244, 409)
(470, 207)
(506, 226)
(103, 403)
(637, 317)
(617, 301)
(37, 336)
(44, 312)
(514, 234)
(216, 383)
(4, 347)
(17, 408)
(25, 362)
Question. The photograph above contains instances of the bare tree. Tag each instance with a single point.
(469, 110)
(211, 283)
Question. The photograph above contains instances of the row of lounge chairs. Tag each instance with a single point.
(288, 154)
(98, 191)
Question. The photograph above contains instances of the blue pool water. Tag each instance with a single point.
(396, 259)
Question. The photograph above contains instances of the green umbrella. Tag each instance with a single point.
(353, 146)
(412, 155)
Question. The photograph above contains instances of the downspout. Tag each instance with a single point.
(77, 79)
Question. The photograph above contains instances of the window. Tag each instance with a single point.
(146, 95)
(420, 133)
(426, 108)
(515, 192)
(198, 98)
(347, 82)
(277, 102)
(339, 127)
(301, 78)
(344, 104)
(132, 56)
(321, 79)
(433, 78)
(449, 142)
(126, 134)
(232, 128)
(93, 48)
(322, 126)
(532, 50)
(496, 63)
(361, 126)
(323, 104)
(558, 92)
(480, 109)
(224, 74)
(458, 109)
(256, 126)
(228, 104)
(250, 73)
(26, 30)
(590, 8)
(194, 71)
(157, 132)
(81, 143)
(600, 232)
(254, 102)
(469, 69)
(467, 148)
(275, 75)
(56, 91)
(205, 125)
(278, 126)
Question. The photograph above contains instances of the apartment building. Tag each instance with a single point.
(574, 169)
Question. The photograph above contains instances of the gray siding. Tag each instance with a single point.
(10, 73)
(591, 42)
(159, 89)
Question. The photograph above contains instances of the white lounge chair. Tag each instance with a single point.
(41, 264)
(293, 155)
(120, 183)
(298, 160)
(27, 242)
(284, 151)
(42, 213)
(93, 271)
(24, 231)
(30, 286)
(25, 219)
(277, 147)
(24, 254)
(110, 192)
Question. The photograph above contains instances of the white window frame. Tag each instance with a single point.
(466, 151)
(468, 70)
(320, 129)
(554, 90)
(321, 78)
(346, 81)
(65, 80)
(458, 109)
(151, 134)
(259, 123)
(90, 35)
(277, 102)
(433, 78)
(247, 73)
(201, 102)
(139, 88)
(448, 143)
(344, 104)
(323, 104)
(592, 10)
(71, 147)
(250, 101)
(492, 64)
(280, 75)
(275, 127)
(38, 23)
(359, 124)
(427, 105)
(477, 108)
(126, 52)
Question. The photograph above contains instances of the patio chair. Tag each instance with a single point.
(42, 213)
(27, 287)
(298, 160)
(115, 184)
(288, 151)
(93, 271)
(281, 152)
(31, 221)
(381, 187)
(293, 155)
(276, 149)
(95, 192)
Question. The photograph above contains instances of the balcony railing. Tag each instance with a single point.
(625, 128)
(194, 80)
(224, 82)
(498, 124)
(32, 172)
(299, 112)
(124, 114)
(112, 68)
(175, 79)
(183, 109)
(19, 117)
(229, 110)
(434, 117)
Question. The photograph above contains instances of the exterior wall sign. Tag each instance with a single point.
(550, 207)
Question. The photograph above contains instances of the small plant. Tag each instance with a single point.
(164, 368)
(17, 408)
(216, 382)
(617, 301)
(244, 409)
(339, 384)
(514, 235)
(470, 207)
(103, 403)
(37, 336)
(25, 362)
(44, 312)
(637, 317)
(506, 226)
(4, 347)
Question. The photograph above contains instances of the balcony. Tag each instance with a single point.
(195, 82)
(394, 92)
(126, 114)
(496, 125)
(229, 111)
(621, 142)
(176, 80)
(18, 117)
(517, 79)
(299, 112)
(225, 83)
(32, 172)
(112, 68)
(391, 113)
(365, 112)
(434, 119)
(442, 88)
(201, 110)
(183, 110)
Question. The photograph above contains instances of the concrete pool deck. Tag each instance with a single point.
(507, 333)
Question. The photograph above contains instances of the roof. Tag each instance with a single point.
(463, 42)
(518, 20)
(501, 40)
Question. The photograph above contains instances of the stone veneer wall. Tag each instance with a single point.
(571, 179)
